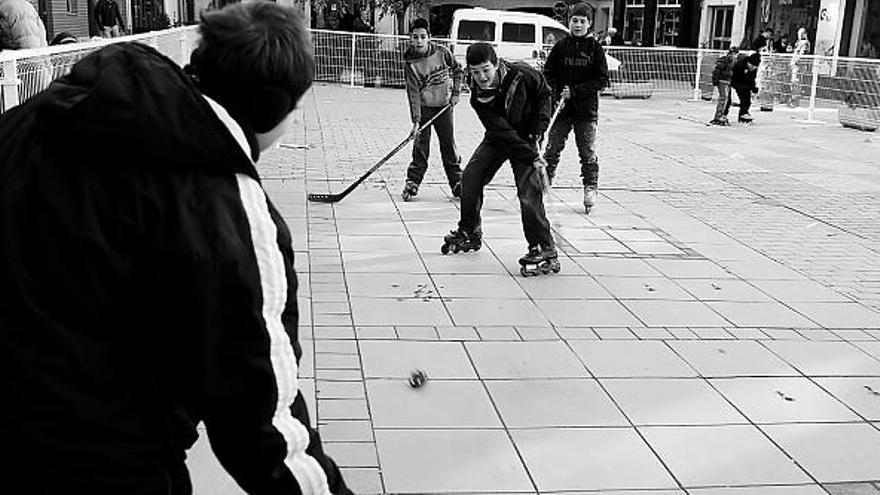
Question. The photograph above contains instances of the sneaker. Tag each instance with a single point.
(456, 190)
(746, 117)
(590, 195)
(410, 190)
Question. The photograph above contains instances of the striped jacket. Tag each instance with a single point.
(145, 287)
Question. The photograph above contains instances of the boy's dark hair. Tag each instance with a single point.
(581, 9)
(420, 24)
(63, 38)
(256, 59)
(480, 53)
(754, 59)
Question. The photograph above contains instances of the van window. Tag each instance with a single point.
(476, 30)
(551, 35)
(518, 33)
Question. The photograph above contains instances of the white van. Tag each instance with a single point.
(516, 35)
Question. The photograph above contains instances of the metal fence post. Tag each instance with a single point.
(813, 85)
(697, 91)
(9, 84)
(184, 47)
(353, 36)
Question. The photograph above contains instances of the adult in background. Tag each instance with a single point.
(20, 26)
(109, 19)
(151, 287)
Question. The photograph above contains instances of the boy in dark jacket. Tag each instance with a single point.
(721, 80)
(576, 70)
(109, 19)
(512, 100)
(742, 80)
(433, 80)
(172, 300)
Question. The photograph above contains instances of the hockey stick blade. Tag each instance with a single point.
(335, 198)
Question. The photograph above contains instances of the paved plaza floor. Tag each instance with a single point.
(715, 328)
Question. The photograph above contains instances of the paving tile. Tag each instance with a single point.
(732, 290)
(615, 333)
(712, 333)
(653, 334)
(420, 461)
(511, 360)
(675, 313)
(420, 312)
(577, 333)
(375, 332)
(478, 286)
(587, 313)
(689, 269)
(700, 456)
(644, 288)
(352, 454)
(363, 480)
(454, 333)
(583, 287)
(861, 394)
(783, 334)
(482, 262)
(799, 291)
(760, 314)
(494, 312)
(856, 488)
(376, 243)
(405, 285)
(437, 404)
(397, 359)
(825, 358)
(872, 348)
(537, 333)
(616, 267)
(831, 452)
(336, 409)
(346, 431)
(671, 401)
(761, 490)
(556, 402)
(732, 358)
(782, 400)
(631, 359)
(590, 459)
(747, 333)
(504, 334)
(339, 390)
(650, 247)
(838, 315)
(854, 335)
(379, 262)
(761, 270)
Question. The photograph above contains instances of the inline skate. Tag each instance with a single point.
(539, 261)
(410, 190)
(459, 240)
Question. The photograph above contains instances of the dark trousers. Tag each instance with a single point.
(480, 170)
(745, 100)
(584, 137)
(448, 151)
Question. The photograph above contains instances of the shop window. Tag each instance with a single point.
(633, 21)
(869, 45)
(722, 28)
(668, 25)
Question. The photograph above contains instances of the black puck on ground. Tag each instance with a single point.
(418, 379)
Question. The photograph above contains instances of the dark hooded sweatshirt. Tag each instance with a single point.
(516, 112)
(579, 63)
(143, 289)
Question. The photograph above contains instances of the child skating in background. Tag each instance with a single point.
(721, 79)
(576, 71)
(433, 80)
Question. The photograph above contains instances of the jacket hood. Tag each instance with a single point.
(128, 96)
(412, 54)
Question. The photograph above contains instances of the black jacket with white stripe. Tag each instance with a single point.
(145, 285)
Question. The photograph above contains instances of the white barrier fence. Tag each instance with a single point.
(360, 59)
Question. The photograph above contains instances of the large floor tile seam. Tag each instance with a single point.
(864, 419)
(627, 417)
(492, 400)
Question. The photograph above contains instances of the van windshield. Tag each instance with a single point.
(476, 30)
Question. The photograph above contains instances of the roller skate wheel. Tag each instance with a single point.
(418, 379)
(456, 248)
(525, 272)
(444, 249)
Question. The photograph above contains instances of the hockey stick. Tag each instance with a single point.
(333, 198)
(540, 164)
